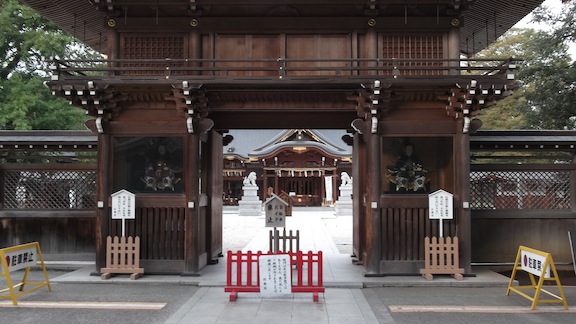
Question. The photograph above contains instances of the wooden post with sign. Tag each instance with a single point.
(21, 257)
(540, 264)
(122, 254)
(441, 254)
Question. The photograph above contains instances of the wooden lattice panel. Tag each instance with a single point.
(414, 47)
(520, 190)
(49, 189)
(152, 46)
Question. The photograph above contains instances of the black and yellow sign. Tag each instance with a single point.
(17, 258)
(536, 263)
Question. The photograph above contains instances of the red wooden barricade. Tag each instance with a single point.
(242, 272)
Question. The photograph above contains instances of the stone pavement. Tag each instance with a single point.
(349, 298)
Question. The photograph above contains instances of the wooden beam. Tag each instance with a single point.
(263, 25)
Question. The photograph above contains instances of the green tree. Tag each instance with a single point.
(551, 100)
(509, 113)
(27, 42)
(30, 105)
(546, 95)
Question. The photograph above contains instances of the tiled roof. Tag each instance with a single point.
(248, 143)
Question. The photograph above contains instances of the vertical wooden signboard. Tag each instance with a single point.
(275, 209)
(21, 257)
(540, 264)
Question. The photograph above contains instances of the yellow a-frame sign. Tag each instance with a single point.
(541, 264)
(21, 257)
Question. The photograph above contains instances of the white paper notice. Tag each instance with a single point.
(275, 276)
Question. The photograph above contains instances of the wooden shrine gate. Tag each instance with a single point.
(176, 78)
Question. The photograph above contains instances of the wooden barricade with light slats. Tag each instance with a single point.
(441, 257)
(285, 242)
(122, 257)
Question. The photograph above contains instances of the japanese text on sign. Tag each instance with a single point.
(123, 205)
(441, 205)
(275, 215)
(21, 259)
(275, 276)
(534, 264)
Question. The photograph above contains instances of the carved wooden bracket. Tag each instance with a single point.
(98, 99)
(467, 102)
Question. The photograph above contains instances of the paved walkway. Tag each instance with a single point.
(343, 301)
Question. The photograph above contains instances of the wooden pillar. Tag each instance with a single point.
(573, 185)
(454, 50)
(191, 186)
(322, 188)
(370, 49)
(462, 200)
(276, 184)
(374, 208)
(214, 232)
(359, 230)
(335, 188)
(112, 48)
(2, 180)
(264, 184)
(102, 223)
(195, 49)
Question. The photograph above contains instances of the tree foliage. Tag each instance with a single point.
(546, 96)
(27, 42)
(509, 113)
(551, 100)
(28, 104)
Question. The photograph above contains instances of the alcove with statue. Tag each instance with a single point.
(417, 165)
(413, 167)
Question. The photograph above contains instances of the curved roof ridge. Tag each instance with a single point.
(282, 136)
(281, 145)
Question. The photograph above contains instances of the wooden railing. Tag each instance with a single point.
(279, 68)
